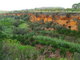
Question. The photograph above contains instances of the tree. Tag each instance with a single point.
(78, 5)
(75, 6)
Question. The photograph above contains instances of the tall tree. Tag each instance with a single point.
(75, 6)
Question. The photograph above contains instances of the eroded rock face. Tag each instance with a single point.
(67, 20)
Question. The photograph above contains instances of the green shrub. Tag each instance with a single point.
(25, 39)
(1, 50)
(69, 32)
(57, 43)
(76, 56)
(52, 59)
(13, 50)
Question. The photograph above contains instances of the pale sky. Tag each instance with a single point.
(29, 4)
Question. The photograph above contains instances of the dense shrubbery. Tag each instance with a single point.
(13, 50)
(57, 43)
(18, 34)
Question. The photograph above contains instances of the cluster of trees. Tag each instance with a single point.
(76, 6)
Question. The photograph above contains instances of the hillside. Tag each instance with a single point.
(31, 35)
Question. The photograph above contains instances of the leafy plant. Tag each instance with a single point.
(12, 50)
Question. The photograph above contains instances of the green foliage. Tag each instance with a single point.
(1, 50)
(24, 25)
(76, 56)
(57, 43)
(76, 6)
(63, 59)
(69, 32)
(13, 50)
(18, 36)
(25, 39)
(51, 59)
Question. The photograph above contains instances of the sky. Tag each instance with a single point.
(8, 5)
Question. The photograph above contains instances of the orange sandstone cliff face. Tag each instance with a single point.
(65, 21)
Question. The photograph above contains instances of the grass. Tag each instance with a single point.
(57, 43)
(13, 50)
